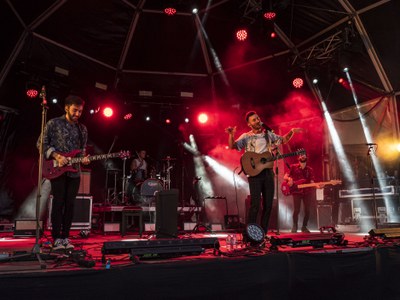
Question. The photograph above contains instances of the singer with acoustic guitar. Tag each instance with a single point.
(64, 135)
(263, 143)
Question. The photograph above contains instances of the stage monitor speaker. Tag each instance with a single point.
(166, 216)
(82, 218)
(27, 228)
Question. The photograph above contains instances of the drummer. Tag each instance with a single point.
(139, 167)
(138, 174)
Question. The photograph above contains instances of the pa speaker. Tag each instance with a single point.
(166, 215)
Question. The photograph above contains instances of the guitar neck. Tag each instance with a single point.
(314, 184)
(95, 157)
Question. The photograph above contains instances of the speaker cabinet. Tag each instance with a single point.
(166, 216)
(324, 215)
(82, 218)
(27, 228)
(84, 186)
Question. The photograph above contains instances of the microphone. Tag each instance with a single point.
(43, 92)
(370, 144)
(265, 126)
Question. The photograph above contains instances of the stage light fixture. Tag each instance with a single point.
(54, 100)
(32, 88)
(128, 116)
(272, 35)
(147, 118)
(91, 111)
(241, 35)
(170, 11)
(108, 112)
(298, 82)
(203, 118)
(341, 80)
(269, 15)
(345, 69)
(254, 233)
(186, 120)
(315, 80)
(167, 121)
(195, 10)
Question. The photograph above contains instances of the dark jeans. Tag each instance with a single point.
(262, 184)
(64, 190)
(297, 199)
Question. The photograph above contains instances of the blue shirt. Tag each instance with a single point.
(62, 136)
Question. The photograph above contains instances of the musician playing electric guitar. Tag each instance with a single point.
(259, 140)
(300, 172)
(64, 135)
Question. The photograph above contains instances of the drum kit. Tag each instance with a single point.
(141, 192)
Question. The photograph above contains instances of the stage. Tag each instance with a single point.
(361, 267)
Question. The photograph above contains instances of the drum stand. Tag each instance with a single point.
(114, 195)
(123, 181)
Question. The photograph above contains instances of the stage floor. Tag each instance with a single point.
(88, 249)
(285, 267)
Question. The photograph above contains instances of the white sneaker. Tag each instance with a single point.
(67, 244)
(58, 245)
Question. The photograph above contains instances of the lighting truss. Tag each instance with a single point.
(252, 9)
(320, 53)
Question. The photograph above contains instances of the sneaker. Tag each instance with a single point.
(305, 229)
(67, 244)
(58, 245)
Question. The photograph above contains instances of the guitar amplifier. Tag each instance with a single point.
(82, 218)
(84, 186)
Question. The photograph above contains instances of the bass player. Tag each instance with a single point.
(259, 140)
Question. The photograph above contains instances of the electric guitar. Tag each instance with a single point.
(52, 170)
(299, 184)
(253, 163)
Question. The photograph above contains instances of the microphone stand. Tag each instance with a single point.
(370, 152)
(36, 247)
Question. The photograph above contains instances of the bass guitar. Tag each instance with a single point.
(299, 184)
(253, 163)
(52, 170)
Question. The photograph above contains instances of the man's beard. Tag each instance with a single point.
(71, 117)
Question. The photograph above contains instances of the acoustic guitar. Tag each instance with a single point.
(253, 163)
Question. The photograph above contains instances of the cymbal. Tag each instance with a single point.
(169, 158)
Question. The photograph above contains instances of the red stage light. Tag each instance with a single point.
(341, 80)
(241, 35)
(203, 118)
(170, 11)
(108, 112)
(298, 82)
(168, 121)
(269, 15)
(273, 35)
(128, 116)
(32, 93)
